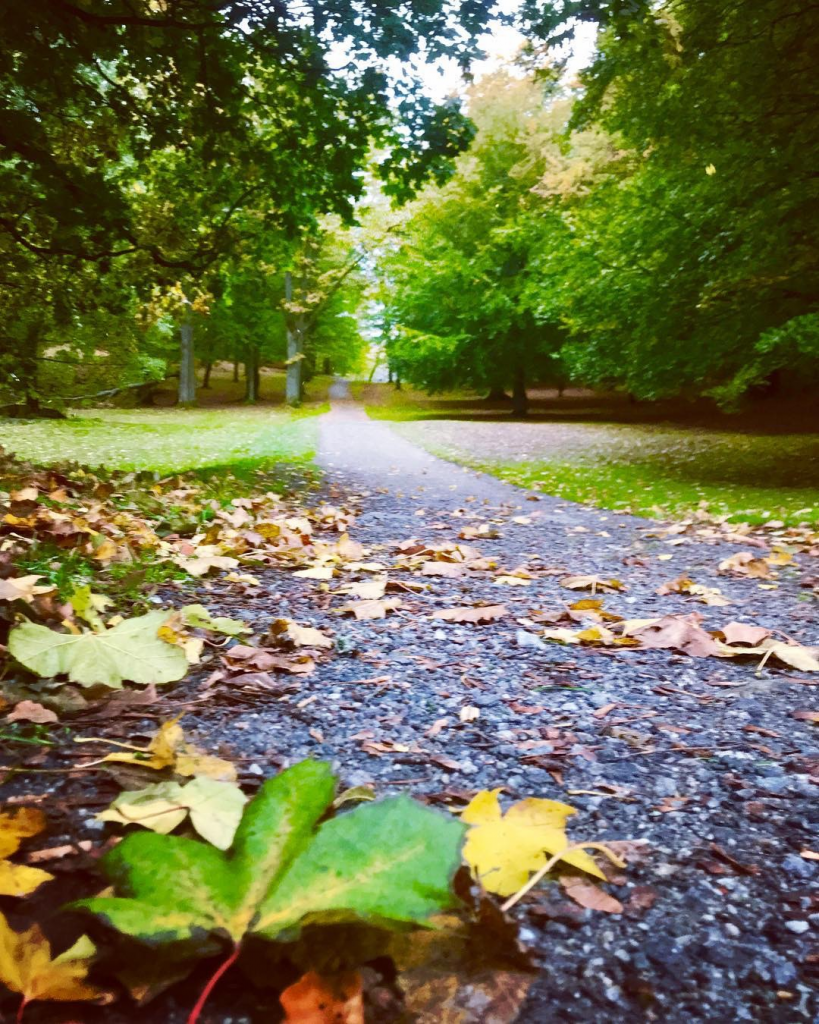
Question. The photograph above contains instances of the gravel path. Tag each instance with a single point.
(702, 757)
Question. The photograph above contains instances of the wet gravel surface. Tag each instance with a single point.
(698, 768)
(701, 758)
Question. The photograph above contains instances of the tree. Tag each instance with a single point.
(693, 268)
(135, 134)
(461, 306)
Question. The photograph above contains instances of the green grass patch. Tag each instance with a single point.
(655, 471)
(169, 440)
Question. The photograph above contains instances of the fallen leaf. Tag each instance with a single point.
(469, 713)
(448, 569)
(27, 967)
(131, 650)
(31, 711)
(169, 749)
(589, 895)
(479, 615)
(198, 617)
(745, 563)
(806, 716)
(504, 849)
(367, 590)
(300, 636)
(371, 609)
(24, 588)
(313, 999)
(678, 632)
(592, 583)
(741, 633)
(15, 826)
(215, 808)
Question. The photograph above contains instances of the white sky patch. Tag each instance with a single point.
(500, 43)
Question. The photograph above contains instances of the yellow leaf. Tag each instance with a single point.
(169, 749)
(27, 967)
(503, 850)
(19, 879)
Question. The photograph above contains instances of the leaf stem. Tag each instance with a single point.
(212, 982)
(21, 1009)
(550, 863)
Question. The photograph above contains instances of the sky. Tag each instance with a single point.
(501, 44)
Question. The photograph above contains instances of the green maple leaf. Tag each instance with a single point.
(130, 650)
(388, 863)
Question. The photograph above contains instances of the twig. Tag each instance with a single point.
(550, 863)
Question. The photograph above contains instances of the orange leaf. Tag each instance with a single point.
(331, 1000)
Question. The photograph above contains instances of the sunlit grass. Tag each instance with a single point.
(658, 471)
(167, 440)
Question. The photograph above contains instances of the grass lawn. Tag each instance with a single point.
(243, 438)
(581, 452)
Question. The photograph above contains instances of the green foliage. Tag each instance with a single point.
(389, 863)
(692, 225)
(461, 306)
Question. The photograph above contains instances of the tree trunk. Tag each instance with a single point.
(252, 376)
(235, 371)
(328, 366)
(389, 375)
(397, 378)
(520, 400)
(206, 381)
(187, 376)
(496, 395)
(293, 383)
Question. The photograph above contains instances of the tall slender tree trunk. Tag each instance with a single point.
(235, 371)
(520, 400)
(292, 388)
(206, 380)
(187, 376)
(397, 378)
(252, 376)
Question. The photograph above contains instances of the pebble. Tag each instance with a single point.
(797, 927)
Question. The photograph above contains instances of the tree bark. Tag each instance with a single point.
(520, 400)
(252, 376)
(235, 371)
(187, 376)
(206, 380)
(292, 388)
(496, 395)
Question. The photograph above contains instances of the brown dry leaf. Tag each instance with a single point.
(806, 716)
(678, 632)
(741, 633)
(31, 711)
(592, 583)
(242, 657)
(745, 563)
(300, 636)
(370, 609)
(15, 826)
(453, 974)
(478, 615)
(23, 588)
(200, 564)
(589, 895)
(313, 999)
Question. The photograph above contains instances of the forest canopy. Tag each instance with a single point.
(218, 172)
